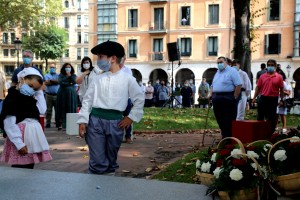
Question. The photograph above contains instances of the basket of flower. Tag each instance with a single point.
(284, 166)
(206, 166)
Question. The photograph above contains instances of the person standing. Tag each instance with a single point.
(186, 93)
(156, 96)
(66, 96)
(51, 82)
(177, 95)
(203, 92)
(2, 89)
(25, 143)
(27, 57)
(263, 70)
(270, 87)
(163, 93)
(149, 95)
(194, 92)
(101, 119)
(245, 90)
(225, 91)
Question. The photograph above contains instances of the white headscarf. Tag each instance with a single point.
(28, 71)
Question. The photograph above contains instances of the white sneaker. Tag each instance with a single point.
(284, 130)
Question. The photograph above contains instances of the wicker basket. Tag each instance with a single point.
(232, 138)
(240, 195)
(206, 179)
(290, 183)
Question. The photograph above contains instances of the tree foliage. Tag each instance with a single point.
(49, 42)
(27, 12)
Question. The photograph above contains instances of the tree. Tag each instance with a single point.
(49, 42)
(28, 12)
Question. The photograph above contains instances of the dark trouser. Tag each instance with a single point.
(28, 166)
(126, 113)
(148, 102)
(225, 110)
(162, 103)
(51, 102)
(104, 139)
(266, 110)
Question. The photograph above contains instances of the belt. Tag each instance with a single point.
(107, 114)
(223, 93)
(51, 94)
(243, 89)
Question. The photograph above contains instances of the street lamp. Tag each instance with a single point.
(293, 85)
(288, 69)
(18, 47)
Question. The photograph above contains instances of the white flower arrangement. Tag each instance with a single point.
(254, 166)
(253, 154)
(295, 137)
(280, 155)
(198, 164)
(236, 153)
(267, 147)
(236, 174)
(214, 157)
(205, 167)
(217, 171)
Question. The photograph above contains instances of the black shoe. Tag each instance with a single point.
(47, 126)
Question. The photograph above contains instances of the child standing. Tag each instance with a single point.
(25, 143)
(101, 118)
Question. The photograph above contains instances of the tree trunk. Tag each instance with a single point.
(46, 64)
(242, 49)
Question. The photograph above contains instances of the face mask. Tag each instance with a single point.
(221, 66)
(68, 69)
(104, 65)
(26, 90)
(191, 82)
(26, 61)
(52, 70)
(186, 84)
(235, 67)
(270, 69)
(157, 81)
(86, 65)
(149, 84)
(178, 85)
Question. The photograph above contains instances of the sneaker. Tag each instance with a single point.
(284, 130)
(128, 141)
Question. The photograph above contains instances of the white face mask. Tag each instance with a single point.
(86, 65)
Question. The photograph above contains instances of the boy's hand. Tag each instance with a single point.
(125, 123)
(82, 130)
(23, 151)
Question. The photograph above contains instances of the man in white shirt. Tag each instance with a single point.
(101, 119)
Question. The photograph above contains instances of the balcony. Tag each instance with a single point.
(157, 27)
(158, 1)
(157, 56)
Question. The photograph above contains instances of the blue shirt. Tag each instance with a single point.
(51, 89)
(226, 80)
(14, 77)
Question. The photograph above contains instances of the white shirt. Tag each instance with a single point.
(86, 82)
(111, 91)
(126, 70)
(246, 84)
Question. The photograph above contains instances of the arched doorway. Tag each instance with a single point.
(137, 75)
(209, 75)
(183, 75)
(296, 78)
(158, 74)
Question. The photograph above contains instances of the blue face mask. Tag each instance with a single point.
(270, 69)
(104, 65)
(221, 66)
(68, 69)
(27, 61)
(25, 89)
(235, 67)
(52, 70)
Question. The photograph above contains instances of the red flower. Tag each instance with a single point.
(238, 162)
(219, 162)
(224, 152)
(229, 146)
(251, 148)
(274, 135)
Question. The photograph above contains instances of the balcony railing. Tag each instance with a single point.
(157, 56)
(157, 27)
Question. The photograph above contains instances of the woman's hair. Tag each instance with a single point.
(85, 59)
(63, 71)
(36, 77)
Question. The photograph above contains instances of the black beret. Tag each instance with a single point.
(109, 48)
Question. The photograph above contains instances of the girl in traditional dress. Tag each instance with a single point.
(25, 142)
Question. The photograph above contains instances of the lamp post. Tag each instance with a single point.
(288, 69)
(18, 47)
(293, 85)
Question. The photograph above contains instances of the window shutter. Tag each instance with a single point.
(279, 43)
(266, 44)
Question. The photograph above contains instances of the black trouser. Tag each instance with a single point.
(225, 110)
(266, 110)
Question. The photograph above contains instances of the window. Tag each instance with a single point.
(158, 18)
(297, 41)
(13, 52)
(104, 37)
(79, 37)
(67, 53)
(86, 52)
(273, 44)
(12, 37)
(78, 53)
(132, 18)
(86, 20)
(185, 15)
(66, 22)
(79, 4)
(5, 38)
(107, 21)
(78, 20)
(297, 11)
(185, 46)
(212, 46)
(85, 4)
(66, 4)
(86, 38)
(132, 49)
(213, 11)
(9, 70)
(157, 49)
(274, 10)
(5, 52)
